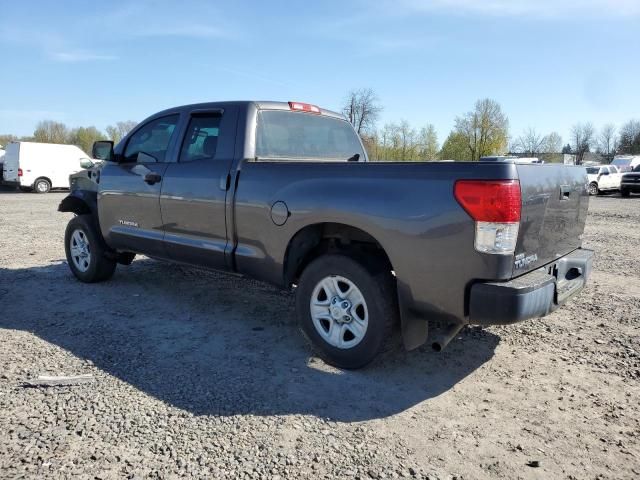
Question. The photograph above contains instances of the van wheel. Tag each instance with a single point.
(42, 185)
(593, 188)
(86, 250)
(346, 311)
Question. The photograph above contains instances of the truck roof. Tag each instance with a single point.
(260, 105)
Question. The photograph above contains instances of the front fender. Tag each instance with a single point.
(80, 202)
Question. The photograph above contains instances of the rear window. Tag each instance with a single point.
(284, 135)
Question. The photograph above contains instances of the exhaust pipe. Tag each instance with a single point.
(443, 338)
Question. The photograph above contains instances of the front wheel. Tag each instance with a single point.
(86, 251)
(345, 310)
(593, 188)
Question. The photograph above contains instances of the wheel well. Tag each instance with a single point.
(75, 205)
(315, 240)
(43, 178)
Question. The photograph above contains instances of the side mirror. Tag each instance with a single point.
(86, 163)
(102, 150)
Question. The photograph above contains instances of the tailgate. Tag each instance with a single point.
(554, 209)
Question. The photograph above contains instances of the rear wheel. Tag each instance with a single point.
(624, 192)
(42, 185)
(86, 251)
(346, 310)
(593, 188)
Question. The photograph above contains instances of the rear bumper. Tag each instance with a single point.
(532, 295)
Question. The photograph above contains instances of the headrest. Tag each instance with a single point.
(209, 146)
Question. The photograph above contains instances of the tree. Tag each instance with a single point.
(49, 131)
(455, 147)
(583, 138)
(530, 142)
(486, 129)
(119, 130)
(607, 139)
(407, 137)
(5, 139)
(552, 143)
(84, 137)
(362, 109)
(629, 141)
(428, 143)
(566, 150)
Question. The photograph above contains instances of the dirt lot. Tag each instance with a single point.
(204, 375)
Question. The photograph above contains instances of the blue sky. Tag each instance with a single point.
(550, 63)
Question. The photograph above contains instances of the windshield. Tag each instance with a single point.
(302, 136)
(621, 162)
(593, 170)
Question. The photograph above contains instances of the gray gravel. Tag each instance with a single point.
(198, 374)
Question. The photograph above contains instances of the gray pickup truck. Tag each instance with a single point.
(283, 192)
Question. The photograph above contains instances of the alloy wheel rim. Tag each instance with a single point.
(339, 312)
(80, 250)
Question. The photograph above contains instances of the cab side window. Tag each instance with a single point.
(201, 140)
(150, 142)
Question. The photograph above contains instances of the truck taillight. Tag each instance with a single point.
(19, 172)
(304, 107)
(495, 205)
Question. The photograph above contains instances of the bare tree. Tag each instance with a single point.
(486, 129)
(362, 109)
(582, 135)
(629, 141)
(49, 131)
(119, 130)
(607, 139)
(428, 143)
(530, 142)
(552, 143)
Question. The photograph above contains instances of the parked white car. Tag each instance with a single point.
(603, 178)
(42, 166)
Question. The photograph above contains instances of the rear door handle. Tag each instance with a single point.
(152, 178)
(225, 182)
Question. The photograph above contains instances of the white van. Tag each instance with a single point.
(626, 163)
(41, 166)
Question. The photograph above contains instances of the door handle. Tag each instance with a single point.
(565, 192)
(152, 178)
(225, 182)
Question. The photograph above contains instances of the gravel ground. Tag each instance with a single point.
(198, 374)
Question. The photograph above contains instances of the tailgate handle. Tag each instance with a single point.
(565, 191)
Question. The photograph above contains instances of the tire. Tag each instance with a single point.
(83, 237)
(365, 322)
(593, 188)
(624, 192)
(42, 185)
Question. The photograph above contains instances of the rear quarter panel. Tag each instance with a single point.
(409, 208)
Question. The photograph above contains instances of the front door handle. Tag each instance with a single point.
(152, 178)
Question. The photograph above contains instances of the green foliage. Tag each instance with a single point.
(84, 137)
(5, 139)
(401, 142)
(455, 147)
(485, 129)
